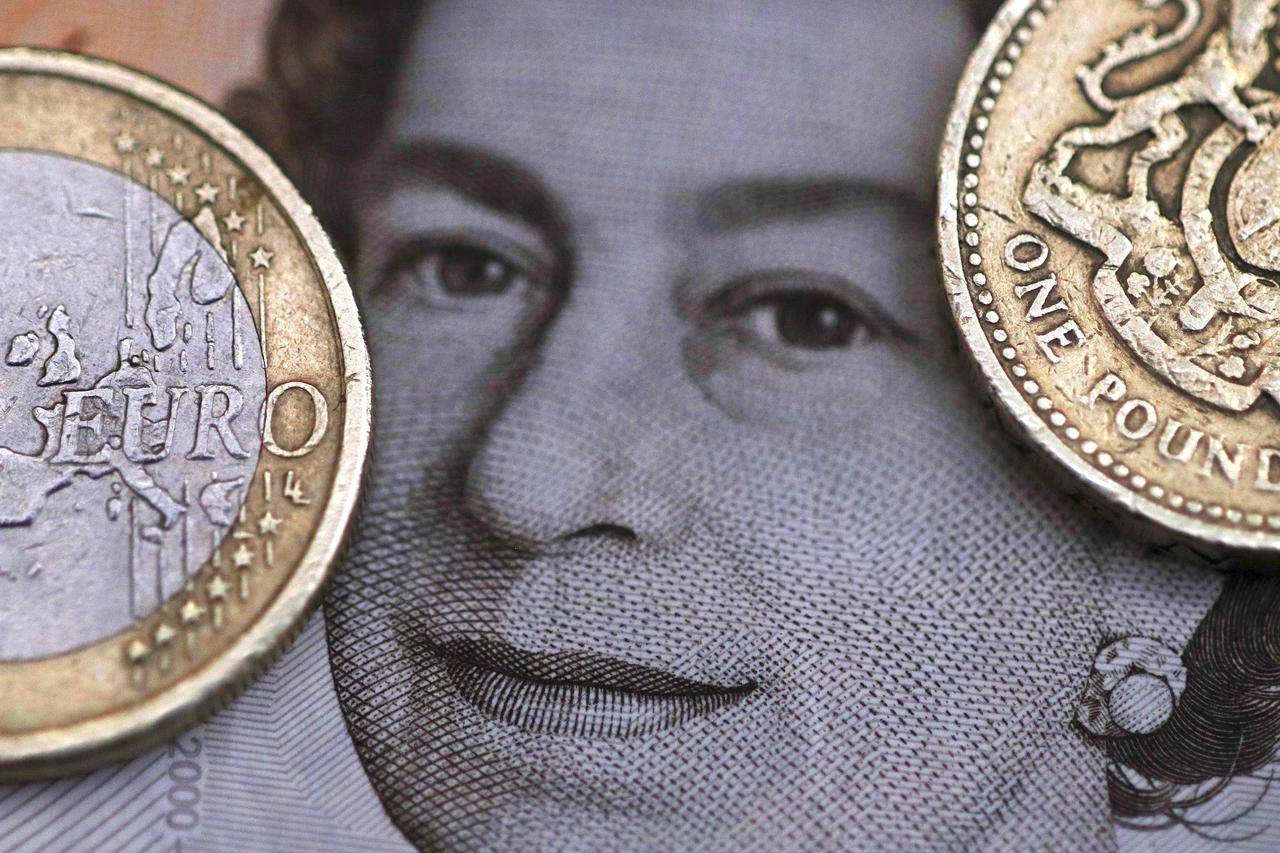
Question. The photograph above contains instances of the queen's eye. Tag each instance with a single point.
(807, 320)
(796, 312)
(470, 271)
(460, 273)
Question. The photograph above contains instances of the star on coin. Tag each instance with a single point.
(153, 157)
(261, 257)
(191, 612)
(242, 558)
(269, 524)
(125, 142)
(179, 175)
(218, 588)
(137, 651)
(233, 220)
(207, 193)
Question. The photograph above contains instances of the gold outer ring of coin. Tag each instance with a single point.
(65, 726)
(1160, 500)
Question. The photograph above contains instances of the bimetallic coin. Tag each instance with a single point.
(184, 411)
(1110, 239)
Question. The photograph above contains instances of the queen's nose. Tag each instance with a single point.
(591, 440)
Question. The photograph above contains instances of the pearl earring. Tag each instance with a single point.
(1133, 689)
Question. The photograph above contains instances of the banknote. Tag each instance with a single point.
(684, 528)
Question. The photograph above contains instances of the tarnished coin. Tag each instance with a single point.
(1110, 239)
(184, 411)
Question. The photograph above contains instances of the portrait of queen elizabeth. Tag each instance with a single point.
(686, 529)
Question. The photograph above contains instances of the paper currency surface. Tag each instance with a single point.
(274, 771)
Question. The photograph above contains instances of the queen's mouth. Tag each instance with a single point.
(577, 693)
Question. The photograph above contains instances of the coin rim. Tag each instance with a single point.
(1174, 526)
(122, 734)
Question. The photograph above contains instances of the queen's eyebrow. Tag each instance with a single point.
(488, 179)
(746, 203)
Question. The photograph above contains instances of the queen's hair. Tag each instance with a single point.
(331, 67)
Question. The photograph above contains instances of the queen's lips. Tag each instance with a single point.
(577, 693)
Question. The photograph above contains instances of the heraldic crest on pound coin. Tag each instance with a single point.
(1197, 297)
(1111, 245)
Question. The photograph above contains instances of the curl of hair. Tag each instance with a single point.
(1227, 722)
(330, 70)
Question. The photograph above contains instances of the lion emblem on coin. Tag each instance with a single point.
(1195, 296)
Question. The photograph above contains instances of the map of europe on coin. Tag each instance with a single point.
(184, 411)
(1111, 246)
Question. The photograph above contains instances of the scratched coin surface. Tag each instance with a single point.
(1110, 240)
(184, 411)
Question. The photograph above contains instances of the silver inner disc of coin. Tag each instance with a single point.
(131, 382)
